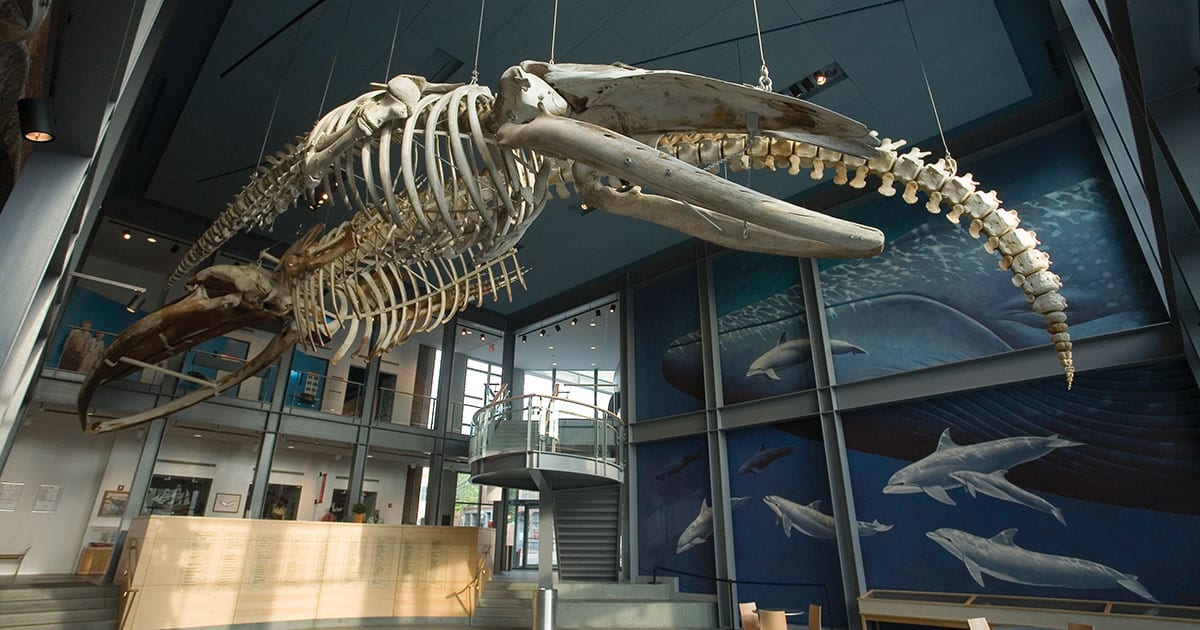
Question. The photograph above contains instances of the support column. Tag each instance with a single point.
(354, 484)
(545, 600)
(718, 453)
(270, 437)
(441, 424)
(142, 474)
(841, 496)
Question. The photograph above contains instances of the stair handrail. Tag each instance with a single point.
(475, 585)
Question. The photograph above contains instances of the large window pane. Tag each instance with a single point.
(675, 512)
(668, 358)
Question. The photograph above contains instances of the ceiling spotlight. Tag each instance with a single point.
(592, 323)
(482, 337)
(37, 124)
(612, 308)
(197, 435)
(819, 78)
(597, 312)
(464, 332)
(557, 328)
(135, 302)
(524, 338)
(542, 332)
(550, 348)
(151, 239)
(554, 364)
(574, 320)
(593, 347)
(126, 235)
(174, 248)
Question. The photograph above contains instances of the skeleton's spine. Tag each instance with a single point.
(938, 181)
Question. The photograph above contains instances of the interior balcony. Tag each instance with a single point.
(569, 443)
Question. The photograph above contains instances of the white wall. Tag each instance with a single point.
(51, 449)
(228, 460)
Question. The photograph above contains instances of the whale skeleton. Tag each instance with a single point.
(444, 179)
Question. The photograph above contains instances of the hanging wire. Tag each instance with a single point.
(929, 89)
(764, 75)
(553, 31)
(262, 150)
(387, 74)
(336, 51)
(479, 39)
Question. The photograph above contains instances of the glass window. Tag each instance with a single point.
(481, 387)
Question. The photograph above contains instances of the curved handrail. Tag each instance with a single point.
(547, 424)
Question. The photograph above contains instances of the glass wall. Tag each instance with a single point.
(481, 386)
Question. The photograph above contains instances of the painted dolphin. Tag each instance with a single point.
(999, 557)
(763, 458)
(674, 466)
(737, 502)
(931, 474)
(810, 521)
(996, 486)
(787, 354)
(698, 531)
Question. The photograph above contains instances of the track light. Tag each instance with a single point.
(464, 332)
(574, 320)
(819, 78)
(524, 338)
(37, 123)
(542, 332)
(597, 312)
(135, 302)
(557, 328)
(126, 235)
(612, 308)
(482, 337)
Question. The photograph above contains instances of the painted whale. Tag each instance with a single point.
(932, 473)
(698, 531)
(791, 353)
(674, 466)
(811, 521)
(995, 485)
(764, 457)
(1001, 558)
(927, 299)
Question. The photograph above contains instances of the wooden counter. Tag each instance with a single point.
(193, 571)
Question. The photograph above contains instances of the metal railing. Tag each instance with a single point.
(393, 406)
(331, 394)
(547, 424)
(209, 366)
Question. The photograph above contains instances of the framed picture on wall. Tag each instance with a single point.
(113, 503)
(227, 502)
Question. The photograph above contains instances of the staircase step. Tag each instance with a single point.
(57, 591)
(43, 605)
(70, 618)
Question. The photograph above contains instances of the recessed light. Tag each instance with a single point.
(197, 435)
(593, 324)
(126, 235)
(370, 456)
(551, 347)
(151, 239)
(593, 347)
(290, 446)
(554, 364)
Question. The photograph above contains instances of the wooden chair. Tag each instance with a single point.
(749, 613)
(814, 617)
(979, 623)
(772, 620)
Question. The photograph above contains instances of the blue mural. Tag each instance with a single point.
(675, 512)
(934, 296)
(782, 525)
(90, 322)
(1032, 490)
(764, 342)
(663, 312)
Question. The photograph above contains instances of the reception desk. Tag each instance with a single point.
(185, 572)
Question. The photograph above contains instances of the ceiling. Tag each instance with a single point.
(241, 77)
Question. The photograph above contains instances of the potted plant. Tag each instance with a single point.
(360, 511)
